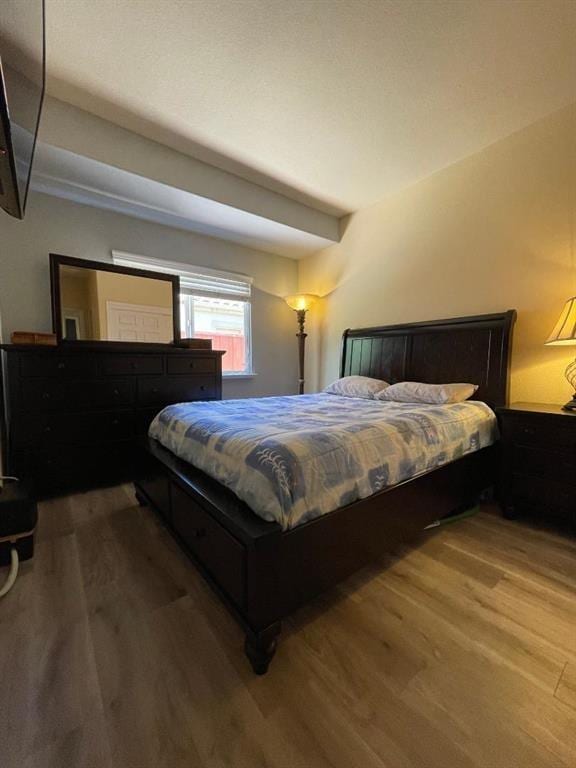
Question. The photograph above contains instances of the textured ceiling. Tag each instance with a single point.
(341, 101)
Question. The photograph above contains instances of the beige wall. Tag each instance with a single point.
(490, 233)
(76, 230)
(76, 295)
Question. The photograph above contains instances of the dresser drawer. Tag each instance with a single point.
(164, 391)
(52, 395)
(217, 550)
(63, 366)
(143, 419)
(559, 466)
(135, 365)
(191, 365)
(546, 510)
(540, 432)
(544, 492)
(74, 429)
(77, 466)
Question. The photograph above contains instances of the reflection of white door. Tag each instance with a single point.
(74, 324)
(135, 322)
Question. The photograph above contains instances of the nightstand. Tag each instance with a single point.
(538, 463)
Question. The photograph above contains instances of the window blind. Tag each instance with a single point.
(199, 281)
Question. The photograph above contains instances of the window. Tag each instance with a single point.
(213, 305)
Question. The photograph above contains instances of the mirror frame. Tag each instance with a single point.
(57, 261)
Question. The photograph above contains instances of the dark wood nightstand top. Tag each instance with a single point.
(537, 408)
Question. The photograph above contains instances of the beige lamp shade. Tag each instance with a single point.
(565, 329)
(301, 301)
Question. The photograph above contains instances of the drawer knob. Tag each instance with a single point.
(199, 533)
(61, 365)
(202, 388)
(46, 395)
(528, 430)
(133, 366)
(47, 429)
(116, 391)
(192, 364)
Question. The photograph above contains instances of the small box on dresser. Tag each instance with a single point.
(538, 463)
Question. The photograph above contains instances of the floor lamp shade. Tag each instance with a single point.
(300, 301)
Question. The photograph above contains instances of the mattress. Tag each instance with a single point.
(292, 459)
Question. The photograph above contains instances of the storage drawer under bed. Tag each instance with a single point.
(219, 552)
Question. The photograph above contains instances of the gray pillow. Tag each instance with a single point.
(418, 392)
(356, 386)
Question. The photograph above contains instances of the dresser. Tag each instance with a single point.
(74, 417)
(538, 469)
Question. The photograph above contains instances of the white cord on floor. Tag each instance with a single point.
(13, 573)
(14, 559)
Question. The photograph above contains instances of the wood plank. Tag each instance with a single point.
(566, 691)
(458, 651)
(466, 563)
(471, 611)
(50, 705)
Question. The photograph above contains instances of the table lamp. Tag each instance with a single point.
(565, 333)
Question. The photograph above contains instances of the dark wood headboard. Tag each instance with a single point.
(470, 349)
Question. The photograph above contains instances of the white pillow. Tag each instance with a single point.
(417, 392)
(356, 386)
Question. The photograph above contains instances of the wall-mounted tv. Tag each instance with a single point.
(22, 83)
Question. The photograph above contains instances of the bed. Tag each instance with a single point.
(292, 459)
(267, 552)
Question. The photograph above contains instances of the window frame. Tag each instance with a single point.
(213, 278)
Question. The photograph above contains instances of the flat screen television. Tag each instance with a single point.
(22, 83)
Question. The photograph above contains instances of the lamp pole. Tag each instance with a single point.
(300, 303)
(301, 336)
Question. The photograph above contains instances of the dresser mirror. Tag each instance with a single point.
(97, 302)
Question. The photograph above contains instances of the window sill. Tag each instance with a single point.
(239, 375)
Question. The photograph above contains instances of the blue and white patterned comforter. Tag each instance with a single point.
(292, 459)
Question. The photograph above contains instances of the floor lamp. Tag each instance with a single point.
(301, 303)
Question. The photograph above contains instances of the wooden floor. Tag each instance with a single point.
(459, 653)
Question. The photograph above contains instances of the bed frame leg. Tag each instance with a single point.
(140, 499)
(260, 647)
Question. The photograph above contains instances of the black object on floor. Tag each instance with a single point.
(18, 517)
